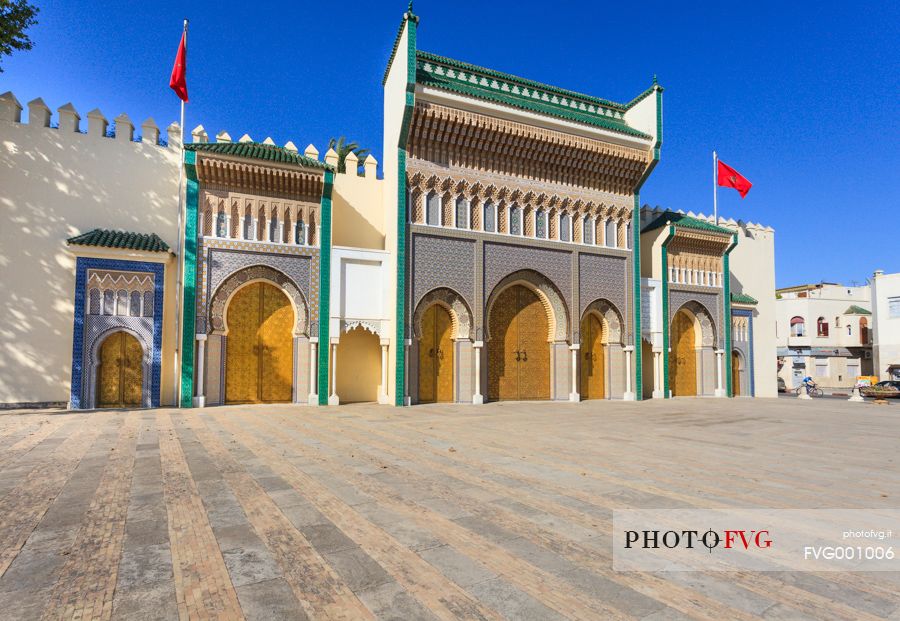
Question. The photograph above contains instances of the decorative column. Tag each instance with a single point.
(227, 225)
(200, 398)
(407, 400)
(657, 374)
(720, 392)
(313, 398)
(383, 395)
(574, 396)
(333, 398)
(477, 398)
(629, 394)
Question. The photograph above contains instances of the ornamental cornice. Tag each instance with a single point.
(269, 179)
(426, 176)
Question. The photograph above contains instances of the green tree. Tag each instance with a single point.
(344, 148)
(16, 16)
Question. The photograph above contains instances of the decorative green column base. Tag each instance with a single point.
(189, 276)
(325, 286)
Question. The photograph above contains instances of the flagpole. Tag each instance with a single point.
(176, 374)
(715, 188)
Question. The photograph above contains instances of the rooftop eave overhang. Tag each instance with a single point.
(703, 237)
(260, 175)
(511, 113)
(81, 250)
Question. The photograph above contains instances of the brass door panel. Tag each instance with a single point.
(593, 364)
(436, 356)
(120, 374)
(518, 352)
(259, 354)
(683, 359)
(276, 346)
(735, 374)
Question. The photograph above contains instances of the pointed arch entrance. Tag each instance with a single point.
(120, 374)
(683, 359)
(259, 353)
(436, 356)
(519, 347)
(593, 358)
(736, 366)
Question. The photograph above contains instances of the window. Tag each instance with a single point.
(248, 227)
(94, 302)
(849, 330)
(894, 307)
(540, 224)
(837, 321)
(863, 331)
(821, 327)
(515, 220)
(220, 225)
(588, 228)
(611, 233)
(565, 227)
(122, 302)
(462, 213)
(490, 217)
(433, 210)
(628, 236)
(300, 233)
(148, 304)
(798, 327)
(109, 302)
(821, 367)
(273, 229)
(134, 307)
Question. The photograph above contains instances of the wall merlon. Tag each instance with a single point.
(331, 157)
(149, 131)
(10, 108)
(97, 123)
(351, 162)
(124, 128)
(370, 164)
(38, 113)
(223, 136)
(69, 119)
(311, 151)
(269, 141)
(199, 134)
(290, 146)
(174, 133)
(245, 138)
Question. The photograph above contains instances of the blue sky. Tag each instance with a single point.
(802, 98)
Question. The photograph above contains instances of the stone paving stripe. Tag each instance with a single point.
(85, 586)
(539, 584)
(30, 441)
(203, 587)
(444, 598)
(317, 587)
(27, 503)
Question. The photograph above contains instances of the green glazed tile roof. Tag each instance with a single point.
(686, 221)
(743, 298)
(121, 239)
(453, 75)
(257, 151)
(856, 310)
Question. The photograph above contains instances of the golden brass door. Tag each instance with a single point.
(518, 352)
(593, 367)
(735, 374)
(259, 359)
(683, 357)
(436, 356)
(120, 375)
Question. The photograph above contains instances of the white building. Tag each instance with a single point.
(824, 331)
(886, 322)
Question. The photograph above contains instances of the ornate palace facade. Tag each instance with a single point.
(502, 255)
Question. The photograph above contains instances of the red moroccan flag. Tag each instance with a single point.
(178, 81)
(730, 178)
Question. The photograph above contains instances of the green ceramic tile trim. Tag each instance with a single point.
(665, 309)
(726, 296)
(257, 151)
(400, 335)
(189, 275)
(325, 286)
(104, 238)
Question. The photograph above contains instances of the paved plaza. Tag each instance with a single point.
(432, 512)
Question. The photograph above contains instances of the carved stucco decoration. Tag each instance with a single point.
(372, 326)
(553, 302)
(254, 273)
(462, 324)
(611, 317)
(704, 318)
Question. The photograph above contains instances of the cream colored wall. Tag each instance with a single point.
(394, 107)
(358, 211)
(358, 366)
(55, 184)
(752, 265)
(887, 329)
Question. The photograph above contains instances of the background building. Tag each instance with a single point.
(886, 320)
(825, 331)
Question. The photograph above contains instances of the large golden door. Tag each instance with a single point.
(259, 359)
(683, 358)
(436, 356)
(593, 365)
(735, 374)
(120, 376)
(518, 352)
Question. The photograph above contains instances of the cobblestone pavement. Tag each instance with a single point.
(432, 512)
